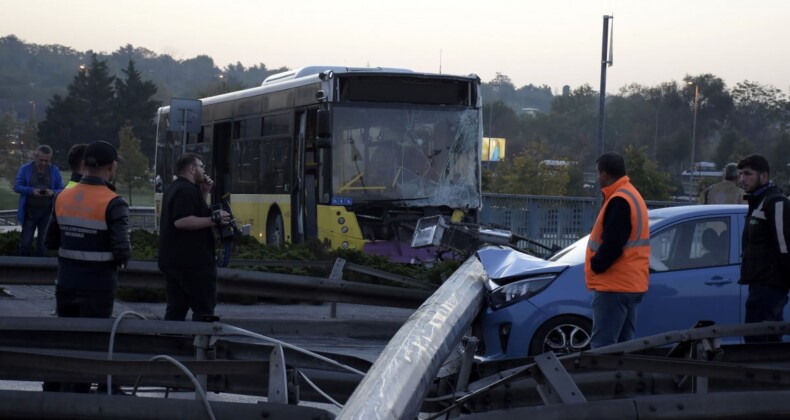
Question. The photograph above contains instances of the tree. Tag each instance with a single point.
(652, 183)
(134, 106)
(133, 172)
(731, 148)
(86, 114)
(532, 173)
(758, 112)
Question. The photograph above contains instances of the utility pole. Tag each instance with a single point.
(606, 61)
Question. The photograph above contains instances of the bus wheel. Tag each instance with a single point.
(275, 232)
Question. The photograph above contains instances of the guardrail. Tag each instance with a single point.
(547, 219)
(146, 274)
(551, 220)
(140, 217)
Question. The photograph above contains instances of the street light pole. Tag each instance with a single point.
(694, 135)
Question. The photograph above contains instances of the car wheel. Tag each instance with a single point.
(562, 335)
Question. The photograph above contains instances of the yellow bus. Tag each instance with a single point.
(351, 155)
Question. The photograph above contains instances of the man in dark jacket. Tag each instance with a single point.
(90, 229)
(765, 264)
(186, 242)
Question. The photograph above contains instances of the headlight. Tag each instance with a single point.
(518, 291)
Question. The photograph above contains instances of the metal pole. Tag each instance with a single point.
(602, 100)
(694, 139)
(184, 138)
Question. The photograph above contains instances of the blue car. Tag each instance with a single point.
(535, 305)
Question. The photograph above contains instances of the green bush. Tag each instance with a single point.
(145, 246)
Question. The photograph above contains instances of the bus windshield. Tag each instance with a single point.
(423, 156)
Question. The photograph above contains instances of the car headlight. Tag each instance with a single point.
(518, 290)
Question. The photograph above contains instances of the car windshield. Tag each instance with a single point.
(574, 253)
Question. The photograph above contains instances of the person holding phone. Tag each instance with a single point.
(36, 182)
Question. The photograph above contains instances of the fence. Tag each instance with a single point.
(550, 220)
(547, 219)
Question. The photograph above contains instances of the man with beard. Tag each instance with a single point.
(765, 262)
(186, 242)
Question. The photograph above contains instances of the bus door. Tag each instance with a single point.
(304, 215)
(298, 193)
(221, 159)
(308, 128)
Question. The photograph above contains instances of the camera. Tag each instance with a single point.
(226, 232)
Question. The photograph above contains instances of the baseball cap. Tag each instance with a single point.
(100, 153)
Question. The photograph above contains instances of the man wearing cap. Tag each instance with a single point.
(726, 191)
(36, 183)
(90, 229)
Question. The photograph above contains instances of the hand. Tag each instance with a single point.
(220, 217)
(207, 184)
(225, 217)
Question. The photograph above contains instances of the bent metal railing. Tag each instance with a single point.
(396, 384)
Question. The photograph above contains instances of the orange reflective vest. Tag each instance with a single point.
(81, 214)
(630, 271)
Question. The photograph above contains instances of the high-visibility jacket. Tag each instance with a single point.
(85, 245)
(629, 273)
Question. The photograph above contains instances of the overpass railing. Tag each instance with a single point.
(552, 220)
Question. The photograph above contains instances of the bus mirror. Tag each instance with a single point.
(324, 133)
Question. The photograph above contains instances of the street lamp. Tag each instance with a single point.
(694, 134)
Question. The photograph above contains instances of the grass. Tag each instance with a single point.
(9, 200)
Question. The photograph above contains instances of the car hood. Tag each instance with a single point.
(502, 262)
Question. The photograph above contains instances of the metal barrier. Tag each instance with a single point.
(396, 384)
(139, 218)
(547, 219)
(551, 220)
(146, 274)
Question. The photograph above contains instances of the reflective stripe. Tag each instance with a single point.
(637, 242)
(594, 245)
(85, 255)
(780, 227)
(83, 223)
(635, 208)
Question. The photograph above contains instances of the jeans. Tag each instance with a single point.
(36, 219)
(614, 317)
(187, 289)
(765, 303)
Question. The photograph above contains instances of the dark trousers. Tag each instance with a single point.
(765, 303)
(74, 303)
(36, 219)
(194, 289)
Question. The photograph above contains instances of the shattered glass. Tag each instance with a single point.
(419, 156)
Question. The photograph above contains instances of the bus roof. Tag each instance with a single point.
(311, 70)
(307, 75)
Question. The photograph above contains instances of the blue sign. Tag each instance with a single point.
(342, 201)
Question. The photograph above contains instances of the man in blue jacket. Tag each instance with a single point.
(37, 182)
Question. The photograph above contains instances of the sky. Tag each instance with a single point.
(551, 42)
